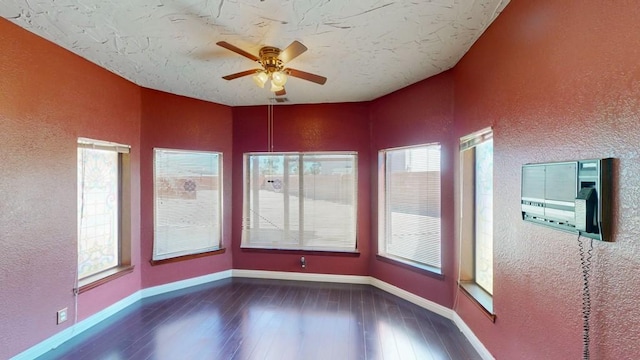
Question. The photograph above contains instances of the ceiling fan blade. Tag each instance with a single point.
(241, 74)
(237, 50)
(292, 51)
(281, 92)
(306, 76)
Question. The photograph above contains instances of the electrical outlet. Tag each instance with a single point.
(62, 316)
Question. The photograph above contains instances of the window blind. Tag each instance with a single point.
(411, 214)
(187, 202)
(300, 201)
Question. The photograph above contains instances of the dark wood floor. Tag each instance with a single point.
(271, 319)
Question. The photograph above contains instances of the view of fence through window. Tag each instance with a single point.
(187, 202)
(300, 201)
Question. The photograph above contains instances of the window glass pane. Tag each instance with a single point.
(187, 203)
(412, 205)
(484, 215)
(276, 215)
(97, 211)
(329, 201)
(272, 211)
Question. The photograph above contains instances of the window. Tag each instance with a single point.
(187, 203)
(476, 225)
(300, 201)
(103, 211)
(409, 206)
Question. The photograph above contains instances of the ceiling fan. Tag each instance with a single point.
(272, 61)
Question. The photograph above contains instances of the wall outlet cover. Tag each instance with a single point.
(61, 316)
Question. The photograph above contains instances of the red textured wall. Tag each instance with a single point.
(176, 122)
(419, 114)
(558, 80)
(48, 98)
(325, 127)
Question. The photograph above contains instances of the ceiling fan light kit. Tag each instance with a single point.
(260, 78)
(276, 88)
(272, 61)
(278, 78)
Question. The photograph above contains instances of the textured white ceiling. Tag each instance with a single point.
(366, 48)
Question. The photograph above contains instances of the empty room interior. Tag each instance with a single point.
(318, 179)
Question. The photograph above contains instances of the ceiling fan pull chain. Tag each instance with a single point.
(270, 127)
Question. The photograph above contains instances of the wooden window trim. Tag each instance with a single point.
(103, 277)
(413, 266)
(187, 257)
(482, 299)
(346, 253)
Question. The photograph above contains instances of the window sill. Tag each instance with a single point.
(480, 297)
(187, 257)
(413, 266)
(104, 277)
(347, 253)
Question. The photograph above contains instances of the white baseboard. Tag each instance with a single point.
(473, 339)
(438, 309)
(74, 330)
(183, 284)
(394, 290)
(67, 334)
(413, 298)
(298, 276)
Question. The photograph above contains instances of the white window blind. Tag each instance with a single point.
(409, 224)
(187, 205)
(300, 201)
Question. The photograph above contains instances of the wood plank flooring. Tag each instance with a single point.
(243, 319)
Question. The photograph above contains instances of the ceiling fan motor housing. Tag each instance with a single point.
(269, 59)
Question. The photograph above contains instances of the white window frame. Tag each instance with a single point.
(162, 239)
(292, 239)
(385, 217)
